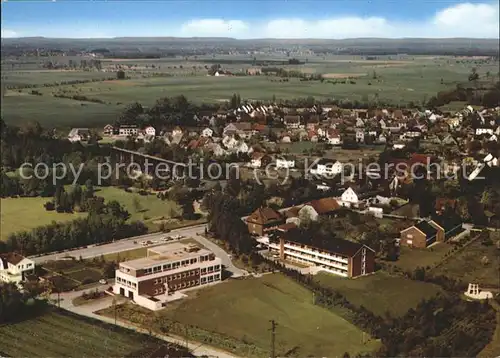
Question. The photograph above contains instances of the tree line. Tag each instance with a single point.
(104, 223)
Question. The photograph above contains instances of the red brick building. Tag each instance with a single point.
(263, 219)
(166, 270)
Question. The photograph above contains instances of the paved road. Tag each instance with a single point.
(128, 244)
(119, 245)
(223, 255)
(88, 310)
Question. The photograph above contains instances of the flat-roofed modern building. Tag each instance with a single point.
(167, 269)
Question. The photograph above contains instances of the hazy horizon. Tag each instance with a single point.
(246, 19)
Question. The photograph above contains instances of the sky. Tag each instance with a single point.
(326, 19)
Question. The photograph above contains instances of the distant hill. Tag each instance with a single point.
(361, 46)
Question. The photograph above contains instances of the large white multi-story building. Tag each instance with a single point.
(15, 268)
(167, 269)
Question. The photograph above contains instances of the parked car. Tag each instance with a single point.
(103, 281)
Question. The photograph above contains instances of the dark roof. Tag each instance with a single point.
(12, 258)
(426, 228)
(287, 226)
(333, 245)
(447, 223)
(292, 119)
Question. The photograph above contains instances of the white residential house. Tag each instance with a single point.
(216, 149)
(321, 132)
(256, 160)
(230, 142)
(349, 198)
(382, 138)
(207, 132)
(333, 137)
(14, 268)
(108, 130)
(327, 168)
(483, 130)
(286, 139)
(126, 130)
(360, 136)
(360, 123)
(414, 132)
(78, 134)
(242, 147)
(382, 124)
(150, 131)
(308, 211)
(285, 163)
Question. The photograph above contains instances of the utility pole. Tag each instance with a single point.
(273, 336)
(114, 306)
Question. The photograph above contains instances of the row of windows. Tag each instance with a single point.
(210, 269)
(176, 277)
(317, 258)
(125, 282)
(174, 265)
(325, 266)
(316, 251)
(27, 266)
(212, 278)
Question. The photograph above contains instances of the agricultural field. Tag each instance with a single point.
(242, 309)
(476, 263)
(20, 214)
(56, 112)
(57, 334)
(46, 77)
(345, 77)
(381, 293)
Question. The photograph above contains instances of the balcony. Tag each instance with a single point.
(316, 253)
(317, 262)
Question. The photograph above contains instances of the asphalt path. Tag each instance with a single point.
(137, 242)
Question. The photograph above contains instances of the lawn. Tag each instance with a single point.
(241, 310)
(476, 263)
(19, 214)
(381, 292)
(150, 207)
(60, 334)
(411, 258)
